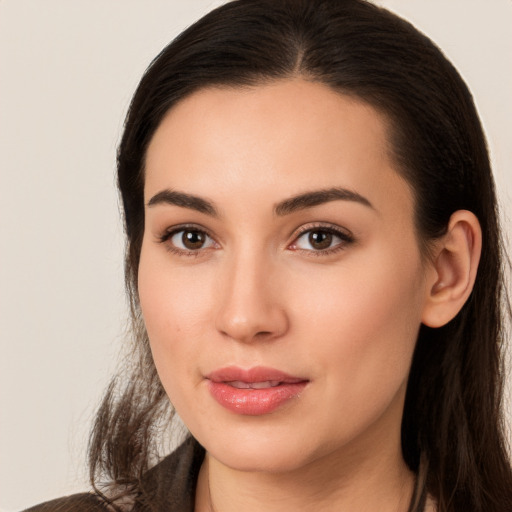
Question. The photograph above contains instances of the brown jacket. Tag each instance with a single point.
(168, 487)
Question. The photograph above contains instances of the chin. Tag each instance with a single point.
(272, 449)
(260, 459)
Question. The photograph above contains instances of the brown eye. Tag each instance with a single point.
(190, 240)
(193, 239)
(320, 240)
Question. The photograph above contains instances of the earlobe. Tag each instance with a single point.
(453, 269)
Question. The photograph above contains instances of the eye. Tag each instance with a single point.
(322, 240)
(187, 240)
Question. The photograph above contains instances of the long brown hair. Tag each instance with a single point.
(452, 429)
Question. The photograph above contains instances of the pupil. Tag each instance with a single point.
(320, 239)
(193, 239)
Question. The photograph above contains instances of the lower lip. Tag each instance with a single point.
(254, 402)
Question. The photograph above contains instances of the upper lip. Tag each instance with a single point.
(250, 375)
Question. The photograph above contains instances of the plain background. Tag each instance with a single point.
(67, 71)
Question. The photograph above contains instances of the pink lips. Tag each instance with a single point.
(255, 391)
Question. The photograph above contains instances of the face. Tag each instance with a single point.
(280, 277)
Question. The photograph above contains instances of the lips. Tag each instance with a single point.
(253, 392)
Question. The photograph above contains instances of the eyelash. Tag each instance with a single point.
(169, 233)
(345, 236)
(346, 239)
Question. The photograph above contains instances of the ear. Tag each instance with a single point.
(452, 271)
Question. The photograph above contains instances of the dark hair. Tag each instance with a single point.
(452, 428)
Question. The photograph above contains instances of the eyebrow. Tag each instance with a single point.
(317, 197)
(176, 198)
(286, 207)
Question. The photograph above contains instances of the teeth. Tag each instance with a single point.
(239, 384)
(254, 385)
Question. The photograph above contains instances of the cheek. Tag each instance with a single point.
(364, 319)
(174, 303)
(172, 297)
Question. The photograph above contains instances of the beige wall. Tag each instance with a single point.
(67, 71)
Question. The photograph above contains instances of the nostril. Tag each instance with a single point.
(263, 334)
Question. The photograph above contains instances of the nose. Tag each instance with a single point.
(250, 307)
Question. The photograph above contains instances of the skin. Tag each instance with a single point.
(259, 293)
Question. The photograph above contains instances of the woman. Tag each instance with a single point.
(314, 266)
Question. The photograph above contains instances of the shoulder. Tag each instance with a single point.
(169, 486)
(85, 502)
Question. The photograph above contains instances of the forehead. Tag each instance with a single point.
(275, 139)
